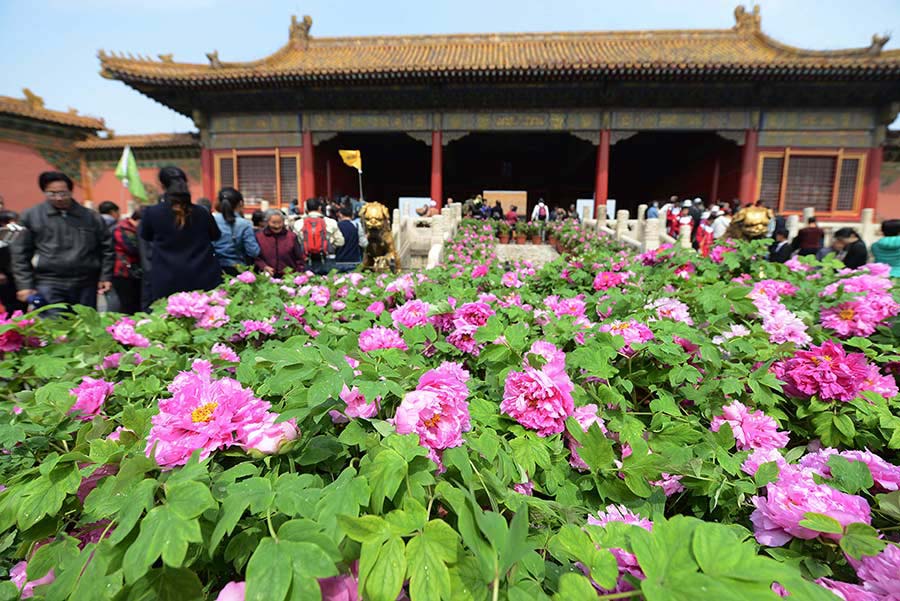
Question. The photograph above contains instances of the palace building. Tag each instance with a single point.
(632, 116)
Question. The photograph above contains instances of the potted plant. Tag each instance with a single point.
(552, 231)
(521, 232)
(534, 230)
(503, 232)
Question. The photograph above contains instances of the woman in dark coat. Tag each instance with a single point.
(181, 235)
(279, 247)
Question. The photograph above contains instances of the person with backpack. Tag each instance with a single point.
(541, 212)
(320, 237)
(237, 246)
(349, 256)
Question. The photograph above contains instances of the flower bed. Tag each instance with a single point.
(613, 425)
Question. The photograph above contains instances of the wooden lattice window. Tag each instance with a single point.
(810, 183)
(828, 181)
(226, 172)
(770, 180)
(258, 178)
(288, 179)
(848, 184)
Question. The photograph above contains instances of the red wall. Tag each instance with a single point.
(19, 169)
(888, 206)
(107, 187)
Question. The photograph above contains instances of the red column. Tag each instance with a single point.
(307, 169)
(714, 191)
(748, 167)
(437, 168)
(208, 175)
(601, 185)
(873, 177)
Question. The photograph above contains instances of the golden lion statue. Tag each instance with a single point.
(750, 223)
(381, 250)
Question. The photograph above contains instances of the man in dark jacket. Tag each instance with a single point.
(66, 252)
(780, 250)
(349, 256)
(809, 239)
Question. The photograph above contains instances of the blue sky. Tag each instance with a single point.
(50, 46)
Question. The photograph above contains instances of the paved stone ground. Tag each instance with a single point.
(538, 254)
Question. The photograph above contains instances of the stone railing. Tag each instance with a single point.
(648, 234)
(420, 240)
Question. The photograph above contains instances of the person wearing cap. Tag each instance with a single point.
(720, 224)
(704, 234)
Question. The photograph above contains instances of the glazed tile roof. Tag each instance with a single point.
(32, 107)
(743, 50)
(140, 141)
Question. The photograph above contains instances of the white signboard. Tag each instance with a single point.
(610, 208)
(409, 204)
(585, 208)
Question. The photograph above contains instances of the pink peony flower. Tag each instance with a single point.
(852, 318)
(90, 396)
(320, 295)
(296, 312)
(463, 337)
(886, 386)
(752, 430)
(825, 371)
(510, 279)
(19, 577)
(225, 352)
(670, 308)
(781, 324)
(605, 280)
(247, 277)
(12, 339)
(761, 456)
(344, 587)
(377, 308)
(437, 410)
(357, 406)
(249, 327)
(631, 330)
(203, 414)
(89, 483)
(123, 331)
(207, 309)
(479, 271)
(268, 437)
(233, 591)
(879, 574)
(777, 516)
(476, 313)
(585, 416)
(524, 488)
(846, 591)
(379, 337)
(411, 314)
(628, 563)
(669, 483)
(534, 399)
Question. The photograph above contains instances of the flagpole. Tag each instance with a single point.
(360, 186)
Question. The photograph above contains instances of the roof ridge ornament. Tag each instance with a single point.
(214, 61)
(166, 58)
(878, 43)
(749, 22)
(33, 100)
(299, 32)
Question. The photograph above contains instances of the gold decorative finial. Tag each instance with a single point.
(33, 100)
(214, 61)
(747, 21)
(166, 58)
(73, 111)
(300, 29)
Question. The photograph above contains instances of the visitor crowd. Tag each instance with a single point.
(61, 252)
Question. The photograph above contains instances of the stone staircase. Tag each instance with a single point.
(538, 254)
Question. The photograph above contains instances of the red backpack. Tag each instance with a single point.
(314, 238)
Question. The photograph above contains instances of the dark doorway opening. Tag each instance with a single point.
(394, 165)
(557, 167)
(656, 165)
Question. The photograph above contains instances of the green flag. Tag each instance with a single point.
(127, 171)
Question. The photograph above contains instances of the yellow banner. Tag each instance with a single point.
(352, 158)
